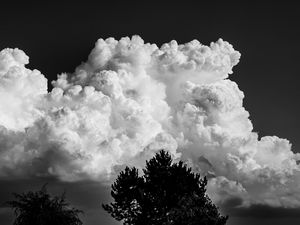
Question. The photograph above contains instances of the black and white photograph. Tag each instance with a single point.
(149, 113)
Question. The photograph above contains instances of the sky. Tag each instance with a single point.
(260, 179)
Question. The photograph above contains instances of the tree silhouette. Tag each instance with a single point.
(39, 208)
(167, 194)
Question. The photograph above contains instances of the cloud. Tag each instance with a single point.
(131, 99)
(20, 90)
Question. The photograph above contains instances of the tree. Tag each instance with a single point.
(39, 208)
(167, 194)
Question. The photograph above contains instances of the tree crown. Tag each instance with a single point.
(40, 208)
(167, 194)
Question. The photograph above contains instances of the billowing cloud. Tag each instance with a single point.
(131, 99)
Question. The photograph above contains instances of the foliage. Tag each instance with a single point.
(39, 208)
(167, 194)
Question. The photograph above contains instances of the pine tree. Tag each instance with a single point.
(167, 194)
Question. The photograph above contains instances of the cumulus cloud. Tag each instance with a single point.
(20, 90)
(131, 99)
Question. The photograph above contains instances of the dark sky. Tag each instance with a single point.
(58, 37)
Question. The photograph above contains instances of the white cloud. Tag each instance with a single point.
(20, 90)
(131, 99)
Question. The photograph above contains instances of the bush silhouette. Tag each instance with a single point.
(167, 194)
(39, 208)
